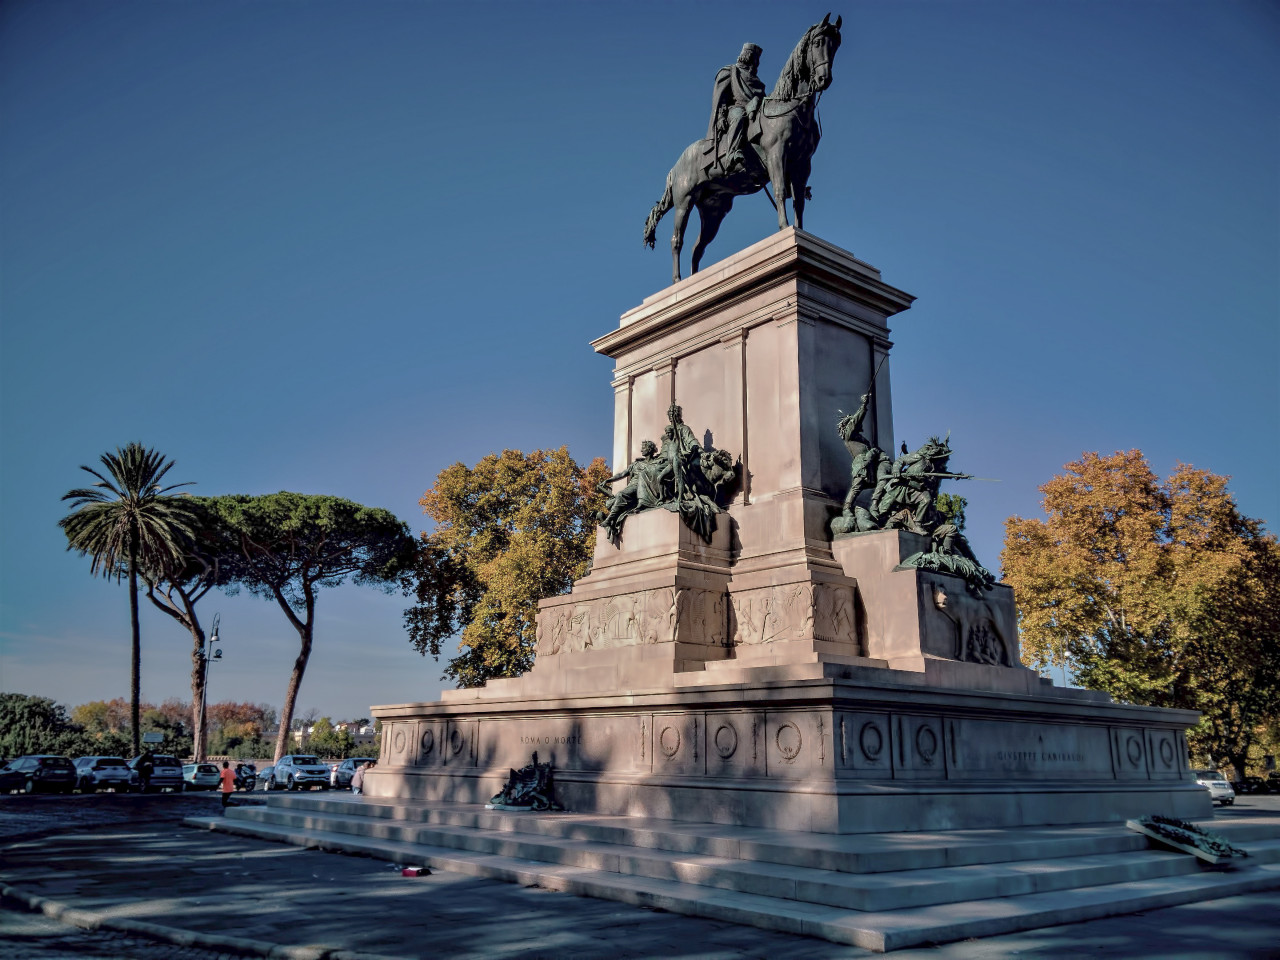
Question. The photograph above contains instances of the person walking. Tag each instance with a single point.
(228, 783)
(144, 767)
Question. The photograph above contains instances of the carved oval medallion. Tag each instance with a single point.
(726, 741)
(669, 741)
(788, 740)
(398, 741)
(456, 741)
(428, 741)
(1166, 753)
(871, 741)
(926, 744)
(1134, 749)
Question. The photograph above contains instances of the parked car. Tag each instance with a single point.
(246, 776)
(341, 774)
(102, 773)
(166, 773)
(1249, 785)
(1219, 789)
(10, 778)
(201, 776)
(40, 773)
(301, 771)
(265, 779)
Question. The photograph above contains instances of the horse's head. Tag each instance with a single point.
(820, 45)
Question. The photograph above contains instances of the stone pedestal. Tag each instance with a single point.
(774, 677)
(910, 615)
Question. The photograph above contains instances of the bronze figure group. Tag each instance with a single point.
(681, 476)
(902, 494)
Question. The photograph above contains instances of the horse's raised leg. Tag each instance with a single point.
(683, 206)
(710, 216)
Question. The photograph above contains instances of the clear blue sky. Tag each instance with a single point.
(333, 247)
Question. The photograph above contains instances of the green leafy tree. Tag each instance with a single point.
(951, 506)
(293, 545)
(30, 724)
(511, 530)
(329, 741)
(127, 522)
(1160, 593)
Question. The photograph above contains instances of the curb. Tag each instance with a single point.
(91, 920)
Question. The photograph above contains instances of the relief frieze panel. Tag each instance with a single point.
(660, 615)
(833, 616)
(775, 613)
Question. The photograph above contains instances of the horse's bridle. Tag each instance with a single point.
(798, 101)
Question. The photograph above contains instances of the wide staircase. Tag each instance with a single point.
(878, 891)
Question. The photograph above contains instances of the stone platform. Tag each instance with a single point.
(881, 892)
(827, 746)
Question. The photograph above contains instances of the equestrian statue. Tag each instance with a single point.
(753, 140)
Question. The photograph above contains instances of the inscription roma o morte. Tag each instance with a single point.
(1042, 756)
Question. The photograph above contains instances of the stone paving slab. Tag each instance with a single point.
(282, 896)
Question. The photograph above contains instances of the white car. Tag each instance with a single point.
(1220, 791)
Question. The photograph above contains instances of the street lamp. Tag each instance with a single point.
(209, 652)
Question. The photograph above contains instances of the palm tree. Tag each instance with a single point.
(126, 521)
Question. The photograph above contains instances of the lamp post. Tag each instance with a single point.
(209, 652)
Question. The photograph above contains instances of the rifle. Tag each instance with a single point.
(956, 476)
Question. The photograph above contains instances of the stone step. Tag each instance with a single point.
(876, 891)
(875, 930)
(850, 853)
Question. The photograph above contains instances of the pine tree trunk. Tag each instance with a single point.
(199, 744)
(135, 679)
(291, 694)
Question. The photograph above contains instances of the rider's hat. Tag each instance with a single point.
(749, 50)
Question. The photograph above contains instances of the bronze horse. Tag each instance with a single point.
(783, 135)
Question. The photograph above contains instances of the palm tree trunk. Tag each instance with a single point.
(135, 679)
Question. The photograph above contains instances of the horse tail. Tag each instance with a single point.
(659, 210)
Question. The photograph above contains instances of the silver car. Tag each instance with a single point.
(201, 776)
(300, 771)
(1220, 791)
(102, 773)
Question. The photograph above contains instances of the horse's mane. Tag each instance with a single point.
(788, 85)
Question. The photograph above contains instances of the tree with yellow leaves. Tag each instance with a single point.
(1160, 593)
(511, 530)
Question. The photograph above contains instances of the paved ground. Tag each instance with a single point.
(128, 858)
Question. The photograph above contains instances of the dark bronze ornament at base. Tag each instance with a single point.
(529, 788)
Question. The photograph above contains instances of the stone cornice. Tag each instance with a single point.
(786, 260)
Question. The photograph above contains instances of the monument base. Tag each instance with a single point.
(774, 677)
(822, 746)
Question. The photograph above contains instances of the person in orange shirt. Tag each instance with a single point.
(228, 783)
